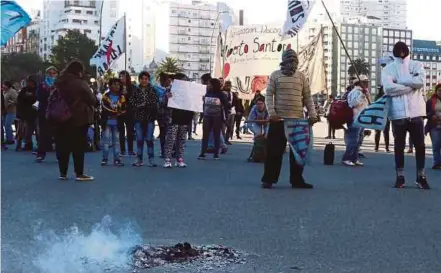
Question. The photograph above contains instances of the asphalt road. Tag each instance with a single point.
(353, 221)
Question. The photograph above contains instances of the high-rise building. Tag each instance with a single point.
(187, 31)
(392, 13)
(428, 53)
(392, 36)
(362, 42)
(83, 15)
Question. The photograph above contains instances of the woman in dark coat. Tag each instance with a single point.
(27, 114)
(126, 123)
(71, 136)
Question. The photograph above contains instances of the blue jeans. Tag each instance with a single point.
(109, 137)
(435, 135)
(9, 120)
(353, 142)
(144, 132)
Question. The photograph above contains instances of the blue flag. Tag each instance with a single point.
(13, 19)
(374, 116)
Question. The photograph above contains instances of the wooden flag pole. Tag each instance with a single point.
(125, 41)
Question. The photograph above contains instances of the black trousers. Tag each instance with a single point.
(211, 124)
(162, 135)
(415, 127)
(126, 127)
(331, 131)
(238, 120)
(385, 135)
(71, 140)
(276, 145)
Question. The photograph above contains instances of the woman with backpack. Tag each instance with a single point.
(70, 109)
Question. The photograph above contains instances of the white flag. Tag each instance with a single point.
(296, 16)
(218, 63)
(111, 48)
(311, 63)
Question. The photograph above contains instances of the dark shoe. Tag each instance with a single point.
(376, 150)
(18, 149)
(436, 167)
(132, 153)
(201, 157)
(40, 159)
(333, 137)
(399, 183)
(138, 163)
(238, 137)
(410, 151)
(216, 157)
(387, 150)
(361, 155)
(267, 185)
(303, 185)
(11, 142)
(84, 178)
(328, 137)
(118, 163)
(104, 162)
(228, 143)
(190, 138)
(422, 183)
(28, 147)
(62, 177)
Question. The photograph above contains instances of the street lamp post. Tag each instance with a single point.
(212, 35)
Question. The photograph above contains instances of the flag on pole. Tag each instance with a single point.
(296, 16)
(218, 64)
(311, 63)
(111, 48)
(13, 19)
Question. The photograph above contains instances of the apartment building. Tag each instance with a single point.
(429, 53)
(392, 36)
(392, 13)
(186, 30)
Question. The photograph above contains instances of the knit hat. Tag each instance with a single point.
(51, 68)
(289, 62)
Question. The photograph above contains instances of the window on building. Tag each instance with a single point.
(86, 31)
(189, 21)
(374, 31)
(76, 21)
(349, 44)
(113, 4)
(396, 33)
(89, 12)
(78, 11)
(427, 57)
(385, 40)
(408, 34)
(173, 11)
(366, 53)
(433, 58)
(350, 29)
(373, 68)
(189, 38)
(112, 13)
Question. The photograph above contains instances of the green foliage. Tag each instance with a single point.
(361, 66)
(74, 45)
(18, 66)
(168, 65)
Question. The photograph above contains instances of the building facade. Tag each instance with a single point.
(186, 30)
(362, 42)
(428, 53)
(392, 13)
(391, 36)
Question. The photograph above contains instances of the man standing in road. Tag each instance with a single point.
(402, 81)
(287, 94)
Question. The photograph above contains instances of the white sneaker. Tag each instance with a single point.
(167, 164)
(359, 163)
(348, 163)
(180, 163)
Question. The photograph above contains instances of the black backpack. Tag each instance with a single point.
(329, 154)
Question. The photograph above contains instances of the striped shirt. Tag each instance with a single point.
(287, 95)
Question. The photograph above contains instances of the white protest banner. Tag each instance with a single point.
(296, 16)
(111, 48)
(311, 63)
(253, 50)
(187, 96)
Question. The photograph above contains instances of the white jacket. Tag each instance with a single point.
(402, 81)
(357, 100)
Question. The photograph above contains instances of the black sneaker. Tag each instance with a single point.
(118, 163)
(399, 183)
(104, 162)
(84, 178)
(40, 159)
(266, 185)
(422, 183)
(201, 157)
(303, 185)
(62, 177)
(216, 157)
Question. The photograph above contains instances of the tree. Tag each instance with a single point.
(18, 66)
(362, 66)
(74, 45)
(168, 65)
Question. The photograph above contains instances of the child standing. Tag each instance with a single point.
(145, 106)
(177, 131)
(113, 105)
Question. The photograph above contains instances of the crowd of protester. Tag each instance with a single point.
(64, 112)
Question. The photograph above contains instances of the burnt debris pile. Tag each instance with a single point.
(211, 256)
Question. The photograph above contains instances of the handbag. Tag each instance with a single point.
(329, 154)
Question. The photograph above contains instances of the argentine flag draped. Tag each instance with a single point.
(13, 19)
